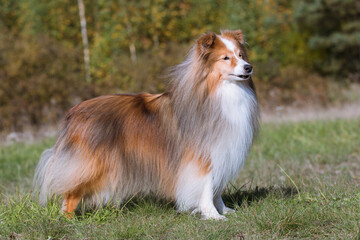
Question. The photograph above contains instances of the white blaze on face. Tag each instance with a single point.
(239, 69)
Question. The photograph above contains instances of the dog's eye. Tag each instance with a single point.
(240, 55)
(226, 58)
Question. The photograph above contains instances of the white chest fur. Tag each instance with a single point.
(238, 103)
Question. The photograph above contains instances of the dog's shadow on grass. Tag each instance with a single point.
(232, 198)
(236, 197)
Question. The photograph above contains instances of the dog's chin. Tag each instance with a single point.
(241, 77)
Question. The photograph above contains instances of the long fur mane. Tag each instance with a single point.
(117, 145)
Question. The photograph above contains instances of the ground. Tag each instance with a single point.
(301, 181)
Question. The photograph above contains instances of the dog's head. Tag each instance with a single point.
(224, 55)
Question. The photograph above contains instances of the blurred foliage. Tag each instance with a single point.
(40, 79)
(295, 46)
(333, 30)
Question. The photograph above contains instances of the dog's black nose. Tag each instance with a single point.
(248, 68)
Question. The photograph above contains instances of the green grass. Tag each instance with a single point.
(301, 182)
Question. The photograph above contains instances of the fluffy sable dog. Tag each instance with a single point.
(184, 144)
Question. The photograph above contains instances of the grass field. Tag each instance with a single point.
(302, 181)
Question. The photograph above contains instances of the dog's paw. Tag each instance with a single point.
(228, 210)
(213, 217)
(195, 211)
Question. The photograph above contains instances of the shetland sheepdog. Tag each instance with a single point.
(184, 144)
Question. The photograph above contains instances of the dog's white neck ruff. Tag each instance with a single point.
(219, 127)
(238, 106)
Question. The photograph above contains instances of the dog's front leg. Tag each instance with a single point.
(220, 205)
(206, 203)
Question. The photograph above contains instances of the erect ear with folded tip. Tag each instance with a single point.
(238, 35)
(205, 42)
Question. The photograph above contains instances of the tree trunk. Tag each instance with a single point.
(84, 40)
(132, 52)
(132, 47)
(156, 40)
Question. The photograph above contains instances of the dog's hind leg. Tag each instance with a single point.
(70, 203)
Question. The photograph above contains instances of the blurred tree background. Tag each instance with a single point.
(297, 47)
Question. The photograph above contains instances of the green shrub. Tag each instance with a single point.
(39, 80)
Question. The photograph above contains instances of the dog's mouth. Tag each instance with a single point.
(242, 77)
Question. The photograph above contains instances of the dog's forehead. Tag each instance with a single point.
(228, 43)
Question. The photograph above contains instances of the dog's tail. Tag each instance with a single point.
(41, 178)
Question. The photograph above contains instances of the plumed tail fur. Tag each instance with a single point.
(40, 183)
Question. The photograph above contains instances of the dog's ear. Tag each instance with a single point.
(237, 35)
(205, 42)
